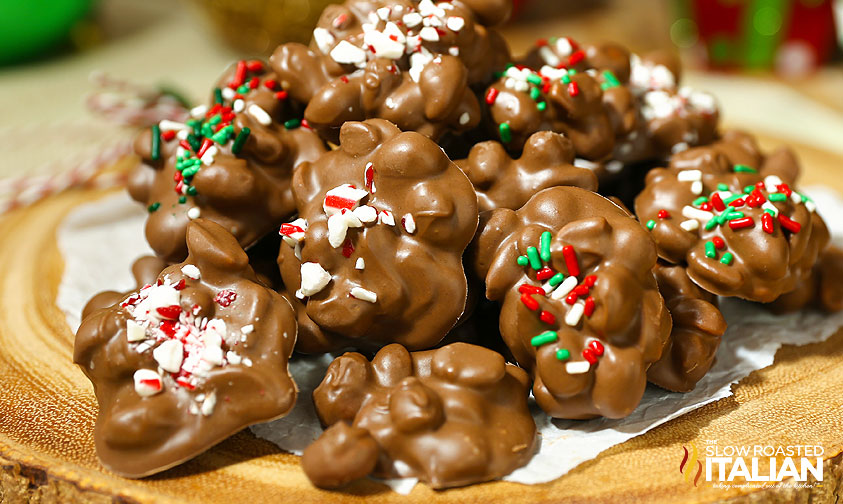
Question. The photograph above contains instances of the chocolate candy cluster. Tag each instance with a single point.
(316, 202)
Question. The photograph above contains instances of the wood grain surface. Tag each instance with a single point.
(47, 411)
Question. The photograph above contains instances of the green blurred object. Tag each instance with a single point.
(29, 28)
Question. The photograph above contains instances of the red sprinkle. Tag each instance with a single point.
(546, 87)
(529, 302)
(590, 280)
(492, 95)
(784, 188)
(225, 297)
(270, 83)
(253, 83)
(752, 201)
(547, 317)
(588, 309)
(339, 20)
(581, 290)
(706, 206)
(573, 89)
(344, 78)
(254, 66)
(239, 73)
(570, 256)
(597, 347)
(369, 175)
(181, 285)
(741, 223)
(185, 145)
(789, 224)
(758, 196)
(717, 201)
(663, 214)
(737, 203)
(541, 42)
(572, 298)
(530, 289)
(179, 187)
(347, 248)
(767, 223)
(589, 355)
(152, 382)
(206, 144)
(281, 95)
(338, 202)
(184, 383)
(169, 312)
(288, 229)
(178, 176)
(168, 135)
(576, 58)
(718, 242)
(544, 274)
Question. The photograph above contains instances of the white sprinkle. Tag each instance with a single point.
(454, 51)
(383, 13)
(811, 206)
(455, 23)
(247, 329)
(409, 223)
(690, 212)
(363, 294)
(366, 213)
(564, 288)
(169, 355)
(574, 315)
(411, 20)
(191, 271)
(563, 46)
(228, 93)
(209, 155)
(259, 114)
(585, 163)
(577, 367)
(209, 403)
(690, 225)
(429, 33)
(182, 135)
(697, 187)
(193, 409)
(771, 207)
(198, 111)
(386, 217)
(360, 264)
(247, 362)
(689, 175)
(465, 117)
(549, 56)
(314, 278)
(679, 147)
(771, 182)
(324, 39)
(795, 197)
(232, 357)
(347, 53)
(134, 331)
(167, 125)
(147, 389)
(238, 105)
(614, 166)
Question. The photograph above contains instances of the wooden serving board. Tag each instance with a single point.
(47, 412)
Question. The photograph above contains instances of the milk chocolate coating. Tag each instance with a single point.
(421, 86)
(698, 327)
(822, 289)
(503, 182)
(764, 264)
(629, 325)
(415, 271)
(450, 417)
(205, 400)
(247, 193)
(145, 270)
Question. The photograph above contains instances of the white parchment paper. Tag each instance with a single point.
(100, 240)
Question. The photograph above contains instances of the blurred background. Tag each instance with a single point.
(70, 70)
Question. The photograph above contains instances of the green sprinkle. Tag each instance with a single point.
(541, 106)
(190, 171)
(194, 141)
(498, 75)
(215, 120)
(243, 89)
(710, 250)
(292, 123)
(506, 134)
(699, 201)
(156, 142)
(742, 168)
(727, 258)
(545, 337)
(522, 261)
(508, 66)
(218, 95)
(777, 197)
(556, 279)
(566, 79)
(196, 125)
(563, 354)
(748, 189)
(732, 198)
(722, 187)
(240, 141)
(731, 216)
(611, 80)
(711, 224)
(191, 191)
(182, 199)
(651, 224)
(534, 79)
(572, 72)
(544, 244)
(533, 256)
(207, 131)
(154, 207)
(221, 136)
(805, 197)
(535, 93)
(770, 211)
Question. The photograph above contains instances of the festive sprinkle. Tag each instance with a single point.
(530, 289)
(718, 242)
(292, 123)
(544, 244)
(727, 258)
(689, 175)
(563, 354)
(218, 96)
(556, 279)
(544, 273)
(522, 261)
(571, 260)
(610, 80)
(543, 338)
(710, 251)
(541, 106)
(573, 89)
(651, 224)
(741, 223)
(492, 95)
(182, 200)
(529, 302)
(240, 141)
(565, 288)
(690, 225)
(577, 367)
(156, 143)
(789, 224)
(722, 187)
(717, 202)
(777, 197)
(154, 207)
(505, 133)
(533, 256)
(767, 223)
(364, 294)
(742, 168)
(699, 201)
(572, 318)
(588, 308)
(663, 214)
(547, 317)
